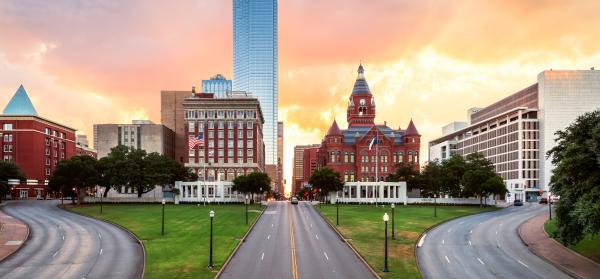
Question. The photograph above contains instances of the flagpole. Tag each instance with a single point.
(376, 165)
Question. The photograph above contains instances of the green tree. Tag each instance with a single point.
(576, 178)
(252, 183)
(8, 170)
(480, 179)
(431, 181)
(112, 169)
(79, 172)
(404, 172)
(453, 170)
(326, 180)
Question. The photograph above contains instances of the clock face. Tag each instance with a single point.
(362, 102)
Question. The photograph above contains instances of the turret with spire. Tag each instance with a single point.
(361, 106)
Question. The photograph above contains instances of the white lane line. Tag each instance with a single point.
(496, 232)
(263, 256)
(317, 236)
(422, 240)
(55, 253)
(272, 225)
(497, 244)
(311, 225)
(63, 237)
(99, 236)
(470, 243)
(443, 241)
(325, 255)
(268, 237)
(448, 260)
(449, 230)
(480, 261)
(523, 264)
(471, 232)
(461, 223)
(101, 251)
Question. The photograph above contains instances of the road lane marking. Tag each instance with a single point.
(263, 256)
(470, 243)
(272, 225)
(99, 236)
(471, 232)
(101, 251)
(55, 253)
(496, 232)
(268, 237)
(443, 241)
(449, 230)
(422, 240)
(317, 236)
(448, 260)
(63, 237)
(292, 244)
(523, 264)
(461, 223)
(325, 255)
(480, 261)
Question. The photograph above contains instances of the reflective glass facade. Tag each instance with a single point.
(255, 61)
(218, 85)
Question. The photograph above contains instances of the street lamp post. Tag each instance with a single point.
(261, 193)
(247, 201)
(393, 209)
(434, 205)
(385, 220)
(337, 212)
(550, 207)
(100, 203)
(162, 231)
(210, 263)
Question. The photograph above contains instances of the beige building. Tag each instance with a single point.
(298, 170)
(140, 134)
(171, 116)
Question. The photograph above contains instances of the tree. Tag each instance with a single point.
(453, 170)
(8, 170)
(576, 178)
(326, 180)
(404, 172)
(252, 183)
(480, 179)
(79, 172)
(431, 178)
(112, 168)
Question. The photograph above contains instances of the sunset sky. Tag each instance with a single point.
(86, 62)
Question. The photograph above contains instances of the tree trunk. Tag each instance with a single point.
(106, 189)
(139, 193)
(80, 195)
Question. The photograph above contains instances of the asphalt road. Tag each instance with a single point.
(483, 246)
(293, 241)
(66, 245)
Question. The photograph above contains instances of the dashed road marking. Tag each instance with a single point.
(480, 261)
(449, 230)
(471, 232)
(263, 256)
(422, 240)
(470, 243)
(448, 260)
(317, 236)
(101, 251)
(443, 241)
(55, 253)
(523, 264)
(325, 255)
(63, 237)
(99, 236)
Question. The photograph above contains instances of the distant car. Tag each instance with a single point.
(518, 203)
(543, 200)
(294, 200)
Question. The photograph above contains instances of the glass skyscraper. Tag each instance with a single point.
(255, 61)
(217, 84)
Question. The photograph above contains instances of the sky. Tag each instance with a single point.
(89, 62)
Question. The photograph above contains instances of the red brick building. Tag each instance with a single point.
(367, 151)
(231, 128)
(309, 162)
(34, 143)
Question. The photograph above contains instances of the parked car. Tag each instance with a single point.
(543, 200)
(294, 200)
(518, 203)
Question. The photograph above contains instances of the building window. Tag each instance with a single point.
(201, 114)
(47, 151)
(240, 144)
(240, 153)
(192, 153)
(211, 114)
(47, 131)
(62, 135)
(249, 144)
(8, 126)
(211, 124)
(62, 155)
(240, 134)
(47, 161)
(240, 125)
(62, 145)
(221, 125)
(345, 157)
(230, 144)
(221, 134)
(250, 124)
(211, 143)
(250, 134)
(250, 152)
(401, 157)
(211, 134)
(351, 157)
(230, 153)
(221, 143)
(240, 114)
(230, 125)
(8, 148)
(191, 126)
(229, 114)
(47, 171)
(221, 153)
(8, 137)
(7, 158)
(220, 114)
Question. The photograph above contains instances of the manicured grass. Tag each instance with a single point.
(184, 250)
(363, 224)
(588, 247)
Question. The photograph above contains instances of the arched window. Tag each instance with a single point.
(211, 175)
(230, 175)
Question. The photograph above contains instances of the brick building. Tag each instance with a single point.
(366, 151)
(34, 143)
(298, 171)
(231, 128)
(82, 148)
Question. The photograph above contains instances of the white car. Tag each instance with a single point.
(294, 200)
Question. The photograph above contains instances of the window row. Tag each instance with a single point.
(220, 125)
(230, 114)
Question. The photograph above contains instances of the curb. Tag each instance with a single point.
(239, 244)
(24, 240)
(122, 228)
(349, 244)
(560, 267)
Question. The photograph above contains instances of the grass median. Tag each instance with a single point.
(588, 247)
(363, 225)
(184, 250)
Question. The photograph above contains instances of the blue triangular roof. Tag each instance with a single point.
(20, 104)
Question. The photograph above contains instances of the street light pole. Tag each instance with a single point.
(162, 232)
(210, 263)
(393, 209)
(100, 203)
(247, 201)
(434, 205)
(337, 212)
(385, 220)
(549, 207)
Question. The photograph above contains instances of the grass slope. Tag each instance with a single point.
(588, 247)
(364, 225)
(184, 250)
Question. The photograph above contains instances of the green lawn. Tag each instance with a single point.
(364, 225)
(184, 250)
(588, 247)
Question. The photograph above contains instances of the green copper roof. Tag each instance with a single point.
(20, 104)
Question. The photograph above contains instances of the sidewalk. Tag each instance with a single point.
(13, 234)
(533, 235)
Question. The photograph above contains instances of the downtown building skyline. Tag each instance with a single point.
(255, 62)
(217, 84)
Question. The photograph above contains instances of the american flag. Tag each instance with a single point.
(198, 140)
